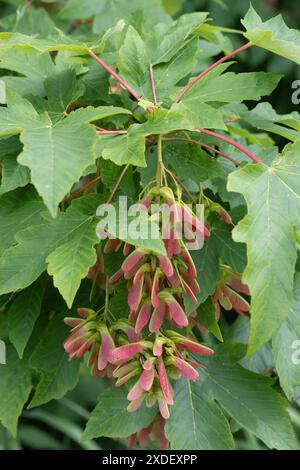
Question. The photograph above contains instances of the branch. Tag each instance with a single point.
(213, 66)
(231, 142)
(153, 84)
(201, 144)
(117, 77)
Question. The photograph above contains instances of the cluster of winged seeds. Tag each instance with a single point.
(146, 350)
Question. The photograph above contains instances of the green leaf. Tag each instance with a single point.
(207, 264)
(123, 149)
(18, 210)
(233, 88)
(59, 375)
(200, 115)
(207, 318)
(283, 346)
(62, 88)
(222, 88)
(32, 69)
(231, 253)
(36, 242)
(273, 35)
(264, 117)
(13, 175)
(15, 387)
(130, 148)
(196, 422)
(272, 196)
(110, 418)
(134, 63)
(194, 163)
(23, 313)
(168, 74)
(249, 398)
(55, 171)
(70, 262)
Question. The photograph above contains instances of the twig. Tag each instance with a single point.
(205, 72)
(117, 184)
(231, 142)
(82, 188)
(114, 132)
(27, 5)
(201, 144)
(153, 85)
(117, 77)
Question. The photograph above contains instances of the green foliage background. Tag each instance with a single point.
(59, 424)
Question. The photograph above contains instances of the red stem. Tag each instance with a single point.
(205, 72)
(114, 74)
(83, 187)
(117, 184)
(201, 144)
(153, 85)
(231, 142)
(117, 77)
(115, 132)
(27, 5)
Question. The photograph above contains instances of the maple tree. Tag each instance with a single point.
(112, 98)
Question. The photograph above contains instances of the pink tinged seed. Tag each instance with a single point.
(239, 286)
(157, 317)
(85, 312)
(136, 392)
(148, 364)
(127, 249)
(143, 437)
(186, 369)
(189, 292)
(158, 347)
(106, 349)
(194, 347)
(163, 408)
(125, 378)
(177, 313)
(135, 404)
(135, 295)
(237, 302)
(84, 348)
(174, 279)
(139, 275)
(192, 272)
(224, 216)
(146, 379)
(166, 265)
(112, 245)
(132, 335)
(155, 287)
(132, 317)
(123, 370)
(192, 283)
(72, 322)
(115, 277)
(164, 382)
(75, 341)
(132, 260)
(218, 310)
(93, 356)
(143, 317)
(127, 351)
